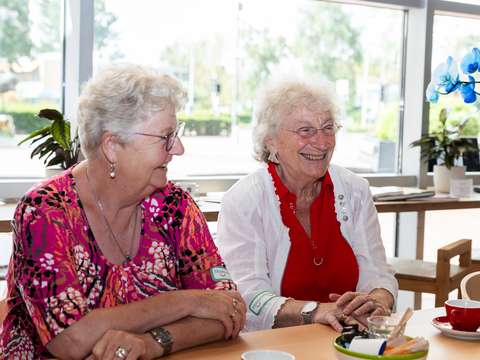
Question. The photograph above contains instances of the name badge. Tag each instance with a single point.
(260, 300)
(219, 273)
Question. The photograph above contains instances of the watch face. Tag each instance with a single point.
(308, 307)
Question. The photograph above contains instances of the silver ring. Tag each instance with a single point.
(121, 353)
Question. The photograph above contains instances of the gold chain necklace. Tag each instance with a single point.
(98, 203)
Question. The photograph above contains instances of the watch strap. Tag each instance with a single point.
(307, 316)
(163, 337)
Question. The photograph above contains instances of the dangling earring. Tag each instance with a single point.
(273, 157)
(112, 171)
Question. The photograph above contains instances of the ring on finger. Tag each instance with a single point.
(234, 302)
(121, 353)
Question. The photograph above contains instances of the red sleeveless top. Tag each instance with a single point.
(323, 263)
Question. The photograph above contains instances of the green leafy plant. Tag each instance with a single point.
(53, 142)
(446, 144)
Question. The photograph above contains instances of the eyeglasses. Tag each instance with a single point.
(307, 132)
(169, 138)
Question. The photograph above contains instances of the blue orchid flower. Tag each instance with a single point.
(446, 76)
(432, 93)
(471, 62)
(468, 90)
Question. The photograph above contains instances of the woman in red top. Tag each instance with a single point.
(313, 254)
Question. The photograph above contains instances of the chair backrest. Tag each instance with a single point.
(470, 286)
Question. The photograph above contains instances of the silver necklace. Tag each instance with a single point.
(98, 203)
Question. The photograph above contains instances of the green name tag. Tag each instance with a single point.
(260, 300)
(219, 273)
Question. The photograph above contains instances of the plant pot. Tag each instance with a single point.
(442, 176)
(53, 171)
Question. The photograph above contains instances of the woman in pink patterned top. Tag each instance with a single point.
(110, 259)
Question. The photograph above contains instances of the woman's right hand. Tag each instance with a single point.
(329, 314)
(227, 307)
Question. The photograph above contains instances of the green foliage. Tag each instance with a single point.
(25, 115)
(445, 143)
(264, 50)
(103, 25)
(458, 111)
(329, 42)
(208, 124)
(14, 30)
(53, 141)
(26, 122)
(387, 127)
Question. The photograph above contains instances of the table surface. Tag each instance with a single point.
(315, 342)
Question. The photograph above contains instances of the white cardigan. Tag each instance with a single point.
(255, 244)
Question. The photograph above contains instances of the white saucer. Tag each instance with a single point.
(267, 355)
(442, 324)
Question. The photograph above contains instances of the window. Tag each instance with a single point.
(223, 51)
(30, 78)
(454, 36)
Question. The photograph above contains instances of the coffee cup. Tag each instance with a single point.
(463, 314)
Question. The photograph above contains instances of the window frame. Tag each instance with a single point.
(78, 58)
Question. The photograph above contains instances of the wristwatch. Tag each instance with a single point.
(163, 337)
(308, 310)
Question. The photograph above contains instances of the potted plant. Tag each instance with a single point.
(445, 145)
(53, 142)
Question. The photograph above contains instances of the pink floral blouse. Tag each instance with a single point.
(57, 273)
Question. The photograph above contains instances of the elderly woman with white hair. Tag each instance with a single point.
(112, 261)
(300, 236)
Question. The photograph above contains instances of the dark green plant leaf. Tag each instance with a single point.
(50, 148)
(50, 114)
(42, 131)
(55, 161)
(53, 142)
(41, 146)
(39, 138)
(61, 133)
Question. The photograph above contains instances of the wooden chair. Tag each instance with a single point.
(470, 286)
(438, 278)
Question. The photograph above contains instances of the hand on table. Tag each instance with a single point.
(227, 307)
(360, 305)
(119, 345)
(331, 314)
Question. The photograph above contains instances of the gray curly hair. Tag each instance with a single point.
(119, 98)
(280, 97)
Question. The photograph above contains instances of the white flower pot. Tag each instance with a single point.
(442, 176)
(52, 171)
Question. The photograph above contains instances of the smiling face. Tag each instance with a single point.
(143, 162)
(303, 159)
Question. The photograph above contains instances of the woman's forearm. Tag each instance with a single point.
(78, 340)
(186, 333)
(289, 314)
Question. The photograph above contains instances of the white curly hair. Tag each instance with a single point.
(283, 96)
(119, 98)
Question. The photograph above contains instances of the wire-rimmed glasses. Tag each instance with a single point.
(307, 132)
(169, 138)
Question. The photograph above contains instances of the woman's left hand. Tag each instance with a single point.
(360, 305)
(119, 345)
